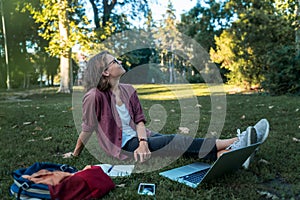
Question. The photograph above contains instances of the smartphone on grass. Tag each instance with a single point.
(146, 189)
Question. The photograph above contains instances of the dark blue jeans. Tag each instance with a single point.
(176, 145)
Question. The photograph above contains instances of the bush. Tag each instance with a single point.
(283, 74)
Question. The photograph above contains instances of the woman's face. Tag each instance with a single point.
(114, 67)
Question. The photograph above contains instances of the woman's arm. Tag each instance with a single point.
(81, 141)
(83, 138)
(142, 153)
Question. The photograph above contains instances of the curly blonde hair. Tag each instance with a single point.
(93, 73)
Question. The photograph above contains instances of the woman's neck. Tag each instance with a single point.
(114, 85)
(116, 91)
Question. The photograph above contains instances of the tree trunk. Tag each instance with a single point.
(41, 76)
(95, 11)
(5, 48)
(171, 80)
(107, 10)
(65, 57)
(65, 70)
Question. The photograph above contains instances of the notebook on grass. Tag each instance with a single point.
(117, 170)
(194, 174)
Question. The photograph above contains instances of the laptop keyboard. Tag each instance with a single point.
(195, 177)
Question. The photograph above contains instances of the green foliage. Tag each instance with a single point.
(224, 55)
(49, 14)
(205, 21)
(20, 34)
(283, 75)
(250, 48)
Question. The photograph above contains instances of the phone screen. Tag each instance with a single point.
(146, 189)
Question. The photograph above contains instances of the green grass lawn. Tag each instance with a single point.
(38, 126)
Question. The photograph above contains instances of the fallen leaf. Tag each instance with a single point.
(121, 185)
(264, 161)
(243, 117)
(267, 194)
(214, 133)
(270, 107)
(32, 140)
(27, 123)
(14, 126)
(47, 138)
(42, 116)
(198, 106)
(184, 130)
(172, 110)
(296, 139)
(38, 128)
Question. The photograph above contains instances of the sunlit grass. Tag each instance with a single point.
(179, 91)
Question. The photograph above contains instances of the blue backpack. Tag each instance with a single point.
(24, 189)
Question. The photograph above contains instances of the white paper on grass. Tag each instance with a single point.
(117, 170)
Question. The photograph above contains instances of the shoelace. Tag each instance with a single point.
(239, 136)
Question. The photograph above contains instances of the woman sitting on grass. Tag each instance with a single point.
(114, 112)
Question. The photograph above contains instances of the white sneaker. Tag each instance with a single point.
(262, 130)
(245, 139)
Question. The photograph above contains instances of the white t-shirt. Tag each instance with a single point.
(127, 132)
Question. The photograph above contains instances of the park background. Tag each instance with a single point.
(254, 44)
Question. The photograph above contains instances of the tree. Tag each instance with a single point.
(168, 42)
(263, 29)
(224, 55)
(56, 19)
(104, 10)
(205, 21)
(284, 60)
(18, 45)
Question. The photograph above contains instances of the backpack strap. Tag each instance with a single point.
(23, 186)
(64, 167)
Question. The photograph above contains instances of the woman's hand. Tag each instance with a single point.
(68, 155)
(142, 153)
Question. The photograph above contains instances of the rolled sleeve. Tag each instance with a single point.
(138, 114)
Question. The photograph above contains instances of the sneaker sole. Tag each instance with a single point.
(252, 139)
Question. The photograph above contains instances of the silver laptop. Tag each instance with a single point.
(194, 174)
